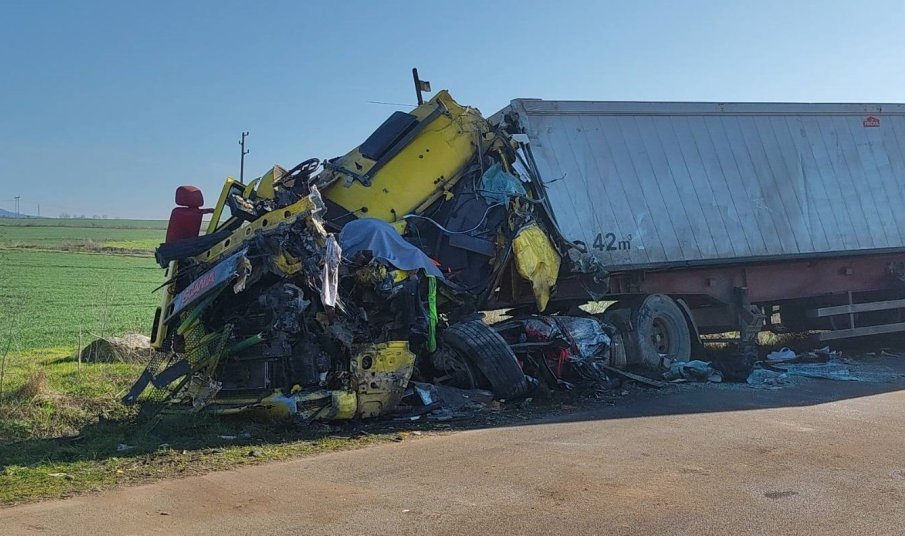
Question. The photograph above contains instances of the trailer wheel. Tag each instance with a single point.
(485, 350)
(660, 333)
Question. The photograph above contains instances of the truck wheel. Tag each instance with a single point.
(485, 350)
(660, 333)
(619, 318)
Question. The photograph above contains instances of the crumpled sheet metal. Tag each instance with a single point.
(586, 333)
(381, 373)
(537, 261)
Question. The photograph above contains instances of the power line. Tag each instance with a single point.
(392, 103)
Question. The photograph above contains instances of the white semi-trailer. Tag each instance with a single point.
(732, 210)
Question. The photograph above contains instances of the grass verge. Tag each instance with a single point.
(63, 431)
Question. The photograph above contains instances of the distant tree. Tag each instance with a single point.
(65, 215)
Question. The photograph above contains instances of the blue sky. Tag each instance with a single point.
(108, 106)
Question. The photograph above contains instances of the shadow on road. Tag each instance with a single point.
(107, 439)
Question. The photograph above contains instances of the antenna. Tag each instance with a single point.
(420, 86)
(242, 158)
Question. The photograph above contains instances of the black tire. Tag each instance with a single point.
(488, 352)
(660, 332)
(620, 319)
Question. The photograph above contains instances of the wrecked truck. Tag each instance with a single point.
(322, 291)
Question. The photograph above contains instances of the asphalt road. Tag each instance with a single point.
(824, 458)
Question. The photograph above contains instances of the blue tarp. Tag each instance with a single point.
(385, 244)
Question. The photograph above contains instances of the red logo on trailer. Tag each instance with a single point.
(871, 121)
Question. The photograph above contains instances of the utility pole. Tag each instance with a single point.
(242, 159)
(17, 205)
(39, 210)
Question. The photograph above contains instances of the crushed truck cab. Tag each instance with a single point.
(322, 291)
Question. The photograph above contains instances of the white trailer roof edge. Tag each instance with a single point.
(539, 107)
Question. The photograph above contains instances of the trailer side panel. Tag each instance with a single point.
(658, 184)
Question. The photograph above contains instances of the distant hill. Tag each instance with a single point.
(8, 214)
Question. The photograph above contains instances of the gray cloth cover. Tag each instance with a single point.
(382, 240)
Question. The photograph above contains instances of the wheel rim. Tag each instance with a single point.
(660, 336)
(456, 371)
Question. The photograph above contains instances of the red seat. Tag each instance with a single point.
(185, 220)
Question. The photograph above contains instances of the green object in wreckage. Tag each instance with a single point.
(431, 313)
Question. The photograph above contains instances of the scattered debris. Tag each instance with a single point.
(737, 366)
(783, 354)
(452, 398)
(784, 366)
(772, 375)
(122, 447)
(695, 370)
(636, 377)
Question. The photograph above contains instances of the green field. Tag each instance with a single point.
(139, 236)
(51, 297)
(62, 280)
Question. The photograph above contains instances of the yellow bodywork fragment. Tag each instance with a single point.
(265, 186)
(420, 172)
(381, 372)
(537, 261)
